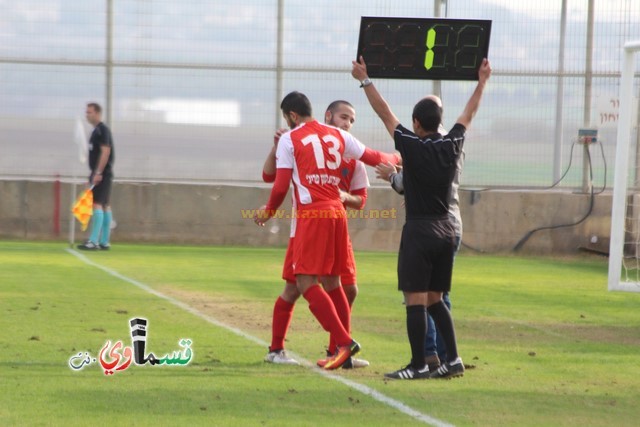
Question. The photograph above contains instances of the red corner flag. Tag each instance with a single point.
(83, 208)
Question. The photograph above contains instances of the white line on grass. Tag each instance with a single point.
(354, 385)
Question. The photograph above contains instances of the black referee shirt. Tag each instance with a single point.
(101, 135)
(429, 166)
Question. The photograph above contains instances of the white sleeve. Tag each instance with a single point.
(284, 153)
(353, 149)
(360, 178)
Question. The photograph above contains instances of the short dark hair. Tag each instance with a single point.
(96, 107)
(296, 102)
(428, 113)
(335, 104)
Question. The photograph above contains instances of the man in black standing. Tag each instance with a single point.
(101, 159)
(427, 246)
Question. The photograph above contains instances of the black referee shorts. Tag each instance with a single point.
(102, 191)
(425, 261)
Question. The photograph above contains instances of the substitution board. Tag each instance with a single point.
(423, 48)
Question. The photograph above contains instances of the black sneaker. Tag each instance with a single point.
(105, 247)
(89, 246)
(353, 363)
(449, 370)
(409, 373)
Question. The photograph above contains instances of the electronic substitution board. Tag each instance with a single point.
(423, 48)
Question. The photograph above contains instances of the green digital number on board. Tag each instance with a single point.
(431, 42)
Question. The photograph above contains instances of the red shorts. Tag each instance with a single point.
(321, 246)
(347, 279)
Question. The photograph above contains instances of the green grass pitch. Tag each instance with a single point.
(551, 346)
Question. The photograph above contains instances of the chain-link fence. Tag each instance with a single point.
(191, 89)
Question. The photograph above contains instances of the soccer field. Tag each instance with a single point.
(551, 346)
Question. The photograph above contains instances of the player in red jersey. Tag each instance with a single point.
(310, 155)
(353, 192)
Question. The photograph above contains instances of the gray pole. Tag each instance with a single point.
(109, 64)
(279, 54)
(636, 177)
(557, 149)
(72, 224)
(436, 86)
(588, 77)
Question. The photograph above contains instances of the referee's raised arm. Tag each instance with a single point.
(484, 72)
(379, 105)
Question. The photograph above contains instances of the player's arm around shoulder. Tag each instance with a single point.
(470, 110)
(354, 199)
(358, 187)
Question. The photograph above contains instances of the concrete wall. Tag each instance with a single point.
(494, 221)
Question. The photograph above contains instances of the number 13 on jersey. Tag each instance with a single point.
(333, 145)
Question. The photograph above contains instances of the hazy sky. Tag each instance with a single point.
(605, 10)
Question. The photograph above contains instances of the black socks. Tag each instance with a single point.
(417, 332)
(444, 324)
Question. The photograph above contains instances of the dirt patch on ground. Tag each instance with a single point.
(254, 317)
(251, 316)
(603, 334)
(509, 330)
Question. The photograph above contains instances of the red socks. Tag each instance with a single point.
(282, 314)
(324, 310)
(341, 303)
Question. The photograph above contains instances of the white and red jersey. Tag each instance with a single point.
(354, 180)
(354, 175)
(310, 155)
(319, 159)
(315, 152)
